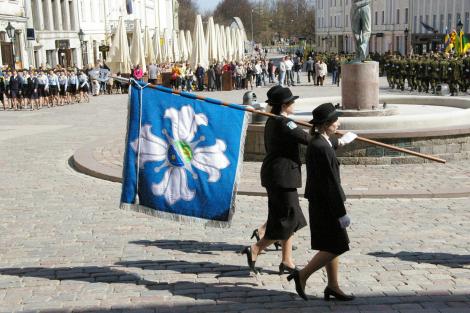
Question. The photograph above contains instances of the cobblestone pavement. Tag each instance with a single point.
(65, 246)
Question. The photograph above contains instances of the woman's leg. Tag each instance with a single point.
(318, 261)
(287, 252)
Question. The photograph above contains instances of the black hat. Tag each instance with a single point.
(271, 91)
(324, 112)
(281, 96)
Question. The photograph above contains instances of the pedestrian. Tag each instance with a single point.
(200, 77)
(310, 68)
(289, 72)
(297, 67)
(282, 72)
(327, 211)
(153, 73)
(281, 176)
(15, 88)
(335, 70)
(322, 71)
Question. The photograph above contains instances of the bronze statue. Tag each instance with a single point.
(361, 28)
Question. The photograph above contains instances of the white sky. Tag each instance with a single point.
(207, 4)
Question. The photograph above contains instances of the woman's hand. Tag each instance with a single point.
(344, 221)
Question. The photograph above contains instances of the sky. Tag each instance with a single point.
(205, 5)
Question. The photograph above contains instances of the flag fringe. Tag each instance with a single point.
(192, 220)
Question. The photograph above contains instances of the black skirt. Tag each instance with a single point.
(325, 231)
(285, 216)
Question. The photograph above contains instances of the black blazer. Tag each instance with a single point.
(281, 165)
(323, 186)
(15, 83)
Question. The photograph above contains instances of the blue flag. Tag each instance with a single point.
(182, 156)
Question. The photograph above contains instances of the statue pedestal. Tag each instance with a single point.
(360, 85)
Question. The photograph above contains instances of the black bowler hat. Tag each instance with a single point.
(282, 96)
(323, 113)
(270, 92)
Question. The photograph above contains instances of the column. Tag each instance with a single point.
(74, 15)
(66, 22)
(58, 15)
(29, 24)
(39, 16)
(48, 21)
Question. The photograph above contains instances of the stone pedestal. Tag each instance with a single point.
(360, 86)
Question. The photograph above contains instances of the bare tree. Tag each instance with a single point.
(187, 12)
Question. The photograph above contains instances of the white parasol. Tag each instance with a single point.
(148, 47)
(137, 47)
(176, 48)
(210, 40)
(183, 47)
(118, 59)
(199, 51)
(157, 45)
(189, 41)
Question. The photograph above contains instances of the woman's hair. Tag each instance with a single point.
(321, 127)
(277, 108)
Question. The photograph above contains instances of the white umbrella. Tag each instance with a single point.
(157, 45)
(118, 59)
(233, 33)
(199, 51)
(148, 47)
(166, 51)
(210, 40)
(218, 42)
(240, 53)
(189, 41)
(183, 47)
(228, 44)
(137, 48)
(176, 48)
(223, 44)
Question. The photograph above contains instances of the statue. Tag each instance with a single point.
(361, 28)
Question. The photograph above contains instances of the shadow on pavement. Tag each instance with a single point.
(189, 267)
(190, 246)
(437, 258)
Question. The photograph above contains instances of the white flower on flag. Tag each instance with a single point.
(180, 153)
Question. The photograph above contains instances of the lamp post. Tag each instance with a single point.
(252, 41)
(406, 31)
(81, 37)
(11, 34)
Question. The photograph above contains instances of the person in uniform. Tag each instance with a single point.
(435, 73)
(454, 75)
(327, 211)
(281, 176)
(466, 71)
(445, 69)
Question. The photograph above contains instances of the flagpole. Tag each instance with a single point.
(251, 110)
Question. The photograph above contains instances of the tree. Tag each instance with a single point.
(227, 9)
(187, 12)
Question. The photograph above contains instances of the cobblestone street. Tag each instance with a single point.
(65, 246)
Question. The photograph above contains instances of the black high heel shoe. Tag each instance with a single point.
(298, 286)
(278, 244)
(286, 269)
(249, 259)
(255, 234)
(330, 292)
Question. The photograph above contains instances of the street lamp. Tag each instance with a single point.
(11, 34)
(406, 31)
(81, 37)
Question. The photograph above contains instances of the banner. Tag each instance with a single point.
(182, 157)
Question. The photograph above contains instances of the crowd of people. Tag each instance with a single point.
(49, 87)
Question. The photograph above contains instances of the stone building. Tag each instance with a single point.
(395, 24)
(14, 50)
(73, 32)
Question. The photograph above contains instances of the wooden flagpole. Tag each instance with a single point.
(251, 110)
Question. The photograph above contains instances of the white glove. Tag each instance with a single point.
(347, 138)
(344, 221)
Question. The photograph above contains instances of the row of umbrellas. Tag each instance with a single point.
(218, 43)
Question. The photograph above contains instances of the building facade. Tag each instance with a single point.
(73, 32)
(396, 25)
(14, 50)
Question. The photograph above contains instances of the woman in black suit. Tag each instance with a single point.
(327, 212)
(280, 175)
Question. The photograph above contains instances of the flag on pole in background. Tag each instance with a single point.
(129, 6)
(182, 156)
(462, 44)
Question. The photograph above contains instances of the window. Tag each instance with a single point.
(398, 16)
(383, 17)
(434, 21)
(406, 16)
(459, 18)
(376, 17)
(441, 23)
(427, 19)
(420, 24)
(467, 22)
(449, 21)
(347, 21)
(415, 23)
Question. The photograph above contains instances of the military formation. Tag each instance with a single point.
(428, 73)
